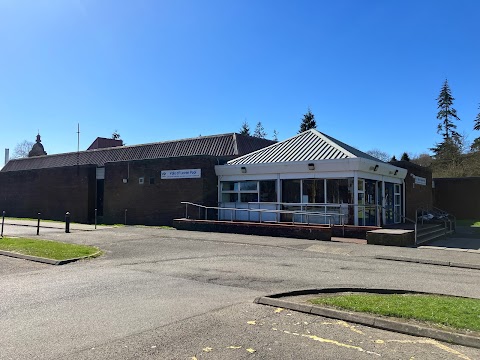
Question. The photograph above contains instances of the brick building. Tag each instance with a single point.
(149, 181)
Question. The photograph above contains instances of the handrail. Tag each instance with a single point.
(260, 211)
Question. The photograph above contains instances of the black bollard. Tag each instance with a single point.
(3, 222)
(95, 218)
(125, 216)
(67, 222)
(38, 223)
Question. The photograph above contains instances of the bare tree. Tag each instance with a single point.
(379, 154)
(22, 149)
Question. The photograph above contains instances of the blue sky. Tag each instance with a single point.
(162, 70)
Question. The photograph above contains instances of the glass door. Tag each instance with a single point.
(389, 198)
(370, 203)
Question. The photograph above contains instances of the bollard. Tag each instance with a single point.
(67, 222)
(38, 223)
(3, 222)
(95, 218)
(125, 223)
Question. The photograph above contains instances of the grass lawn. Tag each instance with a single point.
(46, 249)
(447, 311)
(468, 222)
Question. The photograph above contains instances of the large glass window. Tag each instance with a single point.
(248, 191)
(313, 191)
(291, 191)
(268, 191)
(339, 191)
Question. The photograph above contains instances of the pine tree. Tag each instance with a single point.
(275, 135)
(405, 157)
(446, 113)
(476, 143)
(308, 122)
(259, 131)
(393, 158)
(245, 129)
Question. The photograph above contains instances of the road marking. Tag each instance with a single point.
(351, 327)
(207, 349)
(334, 342)
(434, 343)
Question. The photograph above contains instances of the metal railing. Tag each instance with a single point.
(260, 212)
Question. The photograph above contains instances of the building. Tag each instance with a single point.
(321, 178)
(140, 184)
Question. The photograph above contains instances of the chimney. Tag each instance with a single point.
(7, 155)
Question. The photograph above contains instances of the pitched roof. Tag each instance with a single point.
(215, 145)
(307, 146)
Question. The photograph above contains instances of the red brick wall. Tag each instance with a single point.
(52, 192)
(158, 203)
(458, 196)
(416, 196)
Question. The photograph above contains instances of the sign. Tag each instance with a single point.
(420, 180)
(181, 174)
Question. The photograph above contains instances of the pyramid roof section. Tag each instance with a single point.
(310, 145)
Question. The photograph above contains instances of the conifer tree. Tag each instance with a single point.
(405, 157)
(308, 122)
(446, 113)
(259, 131)
(245, 129)
(476, 126)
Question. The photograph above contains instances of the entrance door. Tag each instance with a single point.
(389, 201)
(370, 203)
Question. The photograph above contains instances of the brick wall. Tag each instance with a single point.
(416, 195)
(52, 192)
(157, 203)
(458, 196)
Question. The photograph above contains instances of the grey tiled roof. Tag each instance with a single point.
(216, 145)
(307, 146)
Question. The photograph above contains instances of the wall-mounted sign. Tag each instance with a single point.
(181, 174)
(420, 180)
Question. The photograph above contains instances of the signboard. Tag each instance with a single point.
(181, 174)
(420, 180)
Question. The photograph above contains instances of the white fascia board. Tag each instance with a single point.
(385, 169)
(323, 169)
(321, 166)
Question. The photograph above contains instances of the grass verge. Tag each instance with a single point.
(46, 249)
(445, 311)
(468, 222)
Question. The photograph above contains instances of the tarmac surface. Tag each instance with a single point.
(168, 294)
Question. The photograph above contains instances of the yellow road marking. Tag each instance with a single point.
(252, 322)
(277, 310)
(250, 350)
(434, 343)
(334, 342)
(351, 327)
(233, 347)
(207, 349)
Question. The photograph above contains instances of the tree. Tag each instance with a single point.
(379, 154)
(259, 131)
(245, 129)
(22, 149)
(116, 135)
(308, 122)
(446, 113)
(405, 157)
(393, 158)
(275, 135)
(423, 159)
(476, 126)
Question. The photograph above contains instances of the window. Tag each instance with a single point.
(291, 191)
(313, 191)
(339, 191)
(268, 191)
(152, 180)
(141, 180)
(248, 191)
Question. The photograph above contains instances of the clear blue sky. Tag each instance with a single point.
(162, 70)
